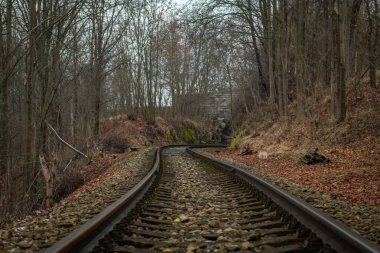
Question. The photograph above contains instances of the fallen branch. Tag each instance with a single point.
(64, 142)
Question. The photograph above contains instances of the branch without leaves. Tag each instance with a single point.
(64, 142)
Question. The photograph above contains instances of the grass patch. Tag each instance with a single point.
(171, 137)
(189, 135)
(335, 176)
(238, 137)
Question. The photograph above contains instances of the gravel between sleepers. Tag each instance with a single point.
(364, 220)
(41, 230)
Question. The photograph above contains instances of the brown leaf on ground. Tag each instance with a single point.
(352, 183)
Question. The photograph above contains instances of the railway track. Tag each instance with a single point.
(185, 205)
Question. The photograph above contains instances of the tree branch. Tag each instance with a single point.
(64, 142)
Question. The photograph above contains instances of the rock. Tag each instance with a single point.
(65, 225)
(255, 235)
(168, 250)
(37, 236)
(230, 231)
(183, 218)
(231, 246)
(247, 151)
(214, 224)
(191, 248)
(210, 237)
(221, 239)
(24, 244)
(245, 246)
(263, 155)
(5, 234)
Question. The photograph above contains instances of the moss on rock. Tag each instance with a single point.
(189, 135)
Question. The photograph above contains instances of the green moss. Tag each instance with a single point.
(188, 134)
(206, 138)
(147, 143)
(238, 137)
(171, 137)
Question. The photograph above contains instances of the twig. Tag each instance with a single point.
(64, 142)
(68, 164)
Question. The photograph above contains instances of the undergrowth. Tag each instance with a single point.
(242, 131)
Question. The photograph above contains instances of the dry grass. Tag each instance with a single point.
(356, 139)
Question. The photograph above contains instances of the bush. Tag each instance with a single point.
(114, 144)
(206, 138)
(69, 182)
(313, 157)
(171, 136)
(188, 135)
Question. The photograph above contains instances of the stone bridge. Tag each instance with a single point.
(212, 105)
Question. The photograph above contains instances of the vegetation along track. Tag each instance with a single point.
(192, 206)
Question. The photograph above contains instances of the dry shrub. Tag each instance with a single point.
(162, 126)
(79, 172)
(115, 144)
(70, 181)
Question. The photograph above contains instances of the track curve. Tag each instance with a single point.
(184, 205)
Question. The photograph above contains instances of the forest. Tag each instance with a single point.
(67, 65)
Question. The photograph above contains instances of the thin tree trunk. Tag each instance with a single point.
(272, 45)
(372, 40)
(262, 86)
(338, 89)
(285, 75)
(30, 61)
(299, 35)
(5, 55)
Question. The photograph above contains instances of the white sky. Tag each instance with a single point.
(180, 2)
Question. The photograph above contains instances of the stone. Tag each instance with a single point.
(231, 246)
(183, 218)
(245, 246)
(5, 234)
(24, 244)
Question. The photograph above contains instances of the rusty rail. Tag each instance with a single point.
(338, 236)
(87, 235)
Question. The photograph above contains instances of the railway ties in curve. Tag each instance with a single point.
(197, 207)
(185, 205)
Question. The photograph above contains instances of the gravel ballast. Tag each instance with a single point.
(364, 220)
(44, 228)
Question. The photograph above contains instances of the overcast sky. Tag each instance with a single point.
(179, 2)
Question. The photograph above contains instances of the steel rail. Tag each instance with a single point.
(87, 236)
(338, 236)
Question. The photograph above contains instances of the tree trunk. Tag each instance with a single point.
(285, 75)
(262, 86)
(5, 55)
(271, 56)
(30, 62)
(95, 132)
(328, 44)
(372, 40)
(49, 174)
(299, 47)
(338, 89)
